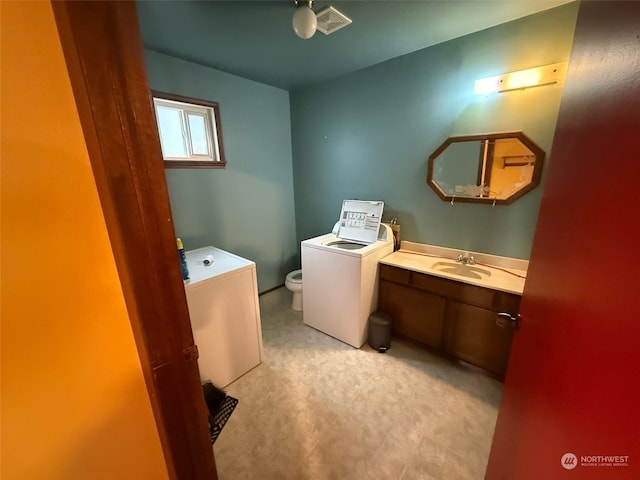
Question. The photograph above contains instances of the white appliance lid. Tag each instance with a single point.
(223, 263)
(360, 220)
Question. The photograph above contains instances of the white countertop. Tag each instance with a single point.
(498, 273)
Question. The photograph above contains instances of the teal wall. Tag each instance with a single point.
(247, 208)
(367, 135)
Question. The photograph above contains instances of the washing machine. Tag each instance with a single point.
(340, 271)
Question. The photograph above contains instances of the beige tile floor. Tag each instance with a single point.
(319, 409)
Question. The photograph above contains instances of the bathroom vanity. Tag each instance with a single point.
(464, 311)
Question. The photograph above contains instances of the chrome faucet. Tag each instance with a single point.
(466, 260)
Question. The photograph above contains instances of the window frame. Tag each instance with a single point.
(214, 142)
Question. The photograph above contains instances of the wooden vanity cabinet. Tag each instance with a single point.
(455, 318)
(475, 338)
(417, 315)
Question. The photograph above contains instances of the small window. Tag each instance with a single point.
(189, 131)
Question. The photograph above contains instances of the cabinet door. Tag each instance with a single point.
(474, 337)
(415, 314)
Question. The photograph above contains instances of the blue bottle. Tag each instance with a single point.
(183, 260)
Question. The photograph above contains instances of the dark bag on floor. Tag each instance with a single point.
(213, 396)
(220, 407)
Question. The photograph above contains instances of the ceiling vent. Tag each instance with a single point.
(330, 20)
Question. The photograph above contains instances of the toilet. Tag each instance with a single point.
(294, 284)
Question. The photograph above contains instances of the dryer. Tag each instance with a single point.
(341, 272)
(222, 295)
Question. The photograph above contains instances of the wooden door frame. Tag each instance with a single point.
(104, 55)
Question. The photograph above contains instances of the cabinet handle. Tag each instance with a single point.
(506, 320)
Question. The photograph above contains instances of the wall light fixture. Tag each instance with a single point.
(531, 77)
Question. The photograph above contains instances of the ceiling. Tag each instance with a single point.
(255, 39)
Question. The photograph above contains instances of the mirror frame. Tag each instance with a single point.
(535, 180)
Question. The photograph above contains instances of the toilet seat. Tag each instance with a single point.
(295, 276)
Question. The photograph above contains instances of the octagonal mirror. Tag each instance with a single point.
(496, 168)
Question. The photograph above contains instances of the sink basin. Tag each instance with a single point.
(469, 271)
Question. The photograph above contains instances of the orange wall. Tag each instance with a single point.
(74, 404)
